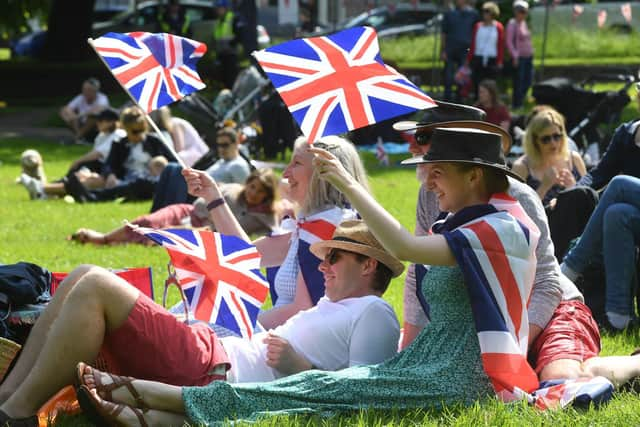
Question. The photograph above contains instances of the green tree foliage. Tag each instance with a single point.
(16, 13)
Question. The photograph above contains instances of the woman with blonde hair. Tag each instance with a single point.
(298, 284)
(552, 169)
(547, 164)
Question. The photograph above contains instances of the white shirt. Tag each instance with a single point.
(331, 336)
(236, 170)
(487, 41)
(137, 164)
(80, 105)
(103, 142)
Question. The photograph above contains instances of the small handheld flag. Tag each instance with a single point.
(219, 275)
(337, 83)
(156, 69)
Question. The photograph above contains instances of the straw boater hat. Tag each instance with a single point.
(448, 114)
(354, 236)
(464, 145)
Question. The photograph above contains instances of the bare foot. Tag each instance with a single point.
(86, 235)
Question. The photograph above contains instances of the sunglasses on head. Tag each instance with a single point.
(548, 138)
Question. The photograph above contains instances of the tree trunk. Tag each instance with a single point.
(69, 27)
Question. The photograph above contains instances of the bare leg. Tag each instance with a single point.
(88, 126)
(70, 118)
(85, 235)
(38, 335)
(617, 369)
(155, 395)
(55, 189)
(99, 303)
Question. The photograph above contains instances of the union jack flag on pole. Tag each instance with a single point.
(337, 83)
(219, 275)
(155, 69)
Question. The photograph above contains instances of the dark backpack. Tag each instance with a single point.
(20, 284)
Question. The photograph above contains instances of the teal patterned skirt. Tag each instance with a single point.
(441, 367)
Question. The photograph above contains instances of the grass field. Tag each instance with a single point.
(565, 46)
(35, 231)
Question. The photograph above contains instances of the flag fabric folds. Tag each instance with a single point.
(494, 246)
(337, 83)
(219, 275)
(156, 69)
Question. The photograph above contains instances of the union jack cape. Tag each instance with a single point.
(156, 69)
(337, 83)
(219, 275)
(494, 245)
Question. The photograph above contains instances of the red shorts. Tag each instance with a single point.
(571, 334)
(153, 345)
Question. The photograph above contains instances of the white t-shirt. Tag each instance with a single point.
(331, 336)
(487, 41)
(236, 170)
(103, 142)
(80, 105)
(137, 164)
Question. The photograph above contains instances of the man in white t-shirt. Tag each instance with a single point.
(351, 325)
(77, 114)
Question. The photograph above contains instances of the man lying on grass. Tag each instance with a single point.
(94, 312)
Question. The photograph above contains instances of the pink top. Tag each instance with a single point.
(518, 39)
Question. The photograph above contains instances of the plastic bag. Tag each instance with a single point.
(63, 402)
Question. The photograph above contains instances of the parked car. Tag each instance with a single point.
(201, 15)
(393, 20)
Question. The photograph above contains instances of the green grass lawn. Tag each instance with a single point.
(35, 231)
(565, 46)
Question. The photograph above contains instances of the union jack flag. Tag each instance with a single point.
(156, 69)
(338, 83)
(499, 273)
(314, 228)
(219, 275)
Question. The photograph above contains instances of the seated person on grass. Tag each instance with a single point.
(563, 336)
(77, 113)
(230, 167)
(254, 205)
(88, 167)
(444, 364)
(129, 170)
(96, 313)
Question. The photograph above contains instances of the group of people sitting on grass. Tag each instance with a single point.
(330, 340)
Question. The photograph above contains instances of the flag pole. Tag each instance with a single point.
(162, 137)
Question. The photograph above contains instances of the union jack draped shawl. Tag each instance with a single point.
(219, 275)
(494, 246)
(156, 69)
(337, 83)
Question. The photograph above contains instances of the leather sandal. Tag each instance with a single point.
(105, 390)
(104, 413)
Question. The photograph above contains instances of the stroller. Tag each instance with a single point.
(590, 116)
(253, 105)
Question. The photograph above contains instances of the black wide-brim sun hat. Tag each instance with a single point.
(465, 145)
